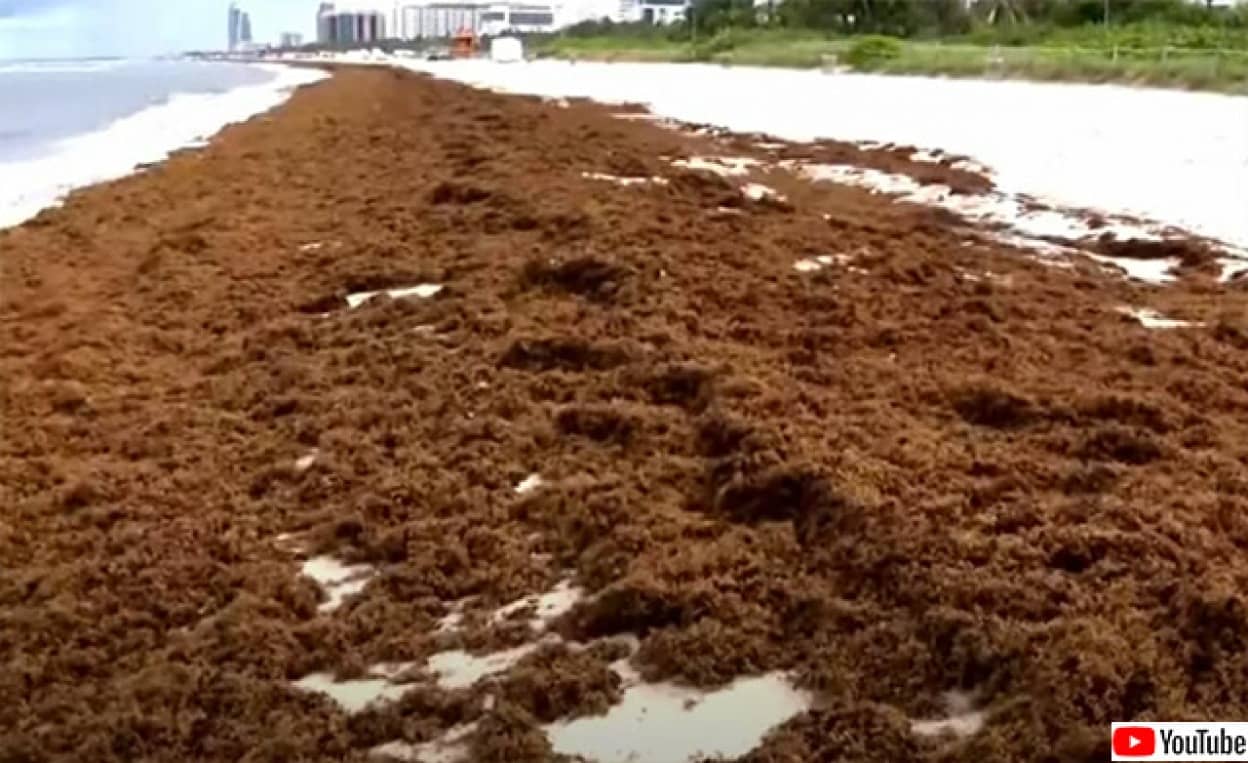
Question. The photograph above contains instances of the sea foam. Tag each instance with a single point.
(147, 136)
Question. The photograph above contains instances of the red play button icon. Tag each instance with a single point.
(1134, 741)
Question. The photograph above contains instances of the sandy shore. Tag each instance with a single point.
(1118, 149)
(965, 503)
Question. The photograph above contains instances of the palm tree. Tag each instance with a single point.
(1001, 11)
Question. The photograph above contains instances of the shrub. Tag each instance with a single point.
(872, 50)
(722, 41)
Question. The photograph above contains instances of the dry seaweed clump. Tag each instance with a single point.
(975, 518)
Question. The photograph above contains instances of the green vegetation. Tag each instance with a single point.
(1156, 42)
(873, 51)
(745, 47)
(1203, 70)
(609, 47)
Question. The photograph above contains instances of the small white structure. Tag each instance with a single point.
(654, 11)
(506, 50)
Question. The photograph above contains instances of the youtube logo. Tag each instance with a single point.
(1185, 741)
(1134, 742)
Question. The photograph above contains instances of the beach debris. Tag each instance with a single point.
(421, 291)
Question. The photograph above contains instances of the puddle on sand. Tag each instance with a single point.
(624, 181)
(1149, 271)
(724, 166)
(304, 462)
(963, 719)
(758, 192)
(967, 165)
(652, 722)
(451, 747)
(530, 483)
(451, 669)
(547, 606)
(811, 264)
(355, 694)
(1029, 227)
(338, 580)
(457, 669)
(290, 543)
(422, 291)
(1046, 252)
(647, 117)
(453, 619)
(1024, 219)
(1151, 319)
(670, 723)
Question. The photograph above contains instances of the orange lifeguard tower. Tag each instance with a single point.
(464, 44)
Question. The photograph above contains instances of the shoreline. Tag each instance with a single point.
(1227, 231)
(410, 418)
(1102, 161)
(137, 141)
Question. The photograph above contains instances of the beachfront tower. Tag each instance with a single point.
(351, 24)
(235, 26)
(240, 28)
(324, 23)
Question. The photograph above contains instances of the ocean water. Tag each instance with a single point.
(65, 124)
(45, 102)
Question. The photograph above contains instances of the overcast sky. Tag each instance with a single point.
(69, 28)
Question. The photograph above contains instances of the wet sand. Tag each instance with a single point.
(930, 476)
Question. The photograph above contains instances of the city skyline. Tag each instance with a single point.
(138, 28)
(91, 28)
(415, 19)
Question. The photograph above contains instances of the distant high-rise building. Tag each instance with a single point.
(240, 28)
(291, 40)
(236, 26)
(350, 27)
(325, 23)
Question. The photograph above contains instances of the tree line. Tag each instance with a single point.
(917, 18)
